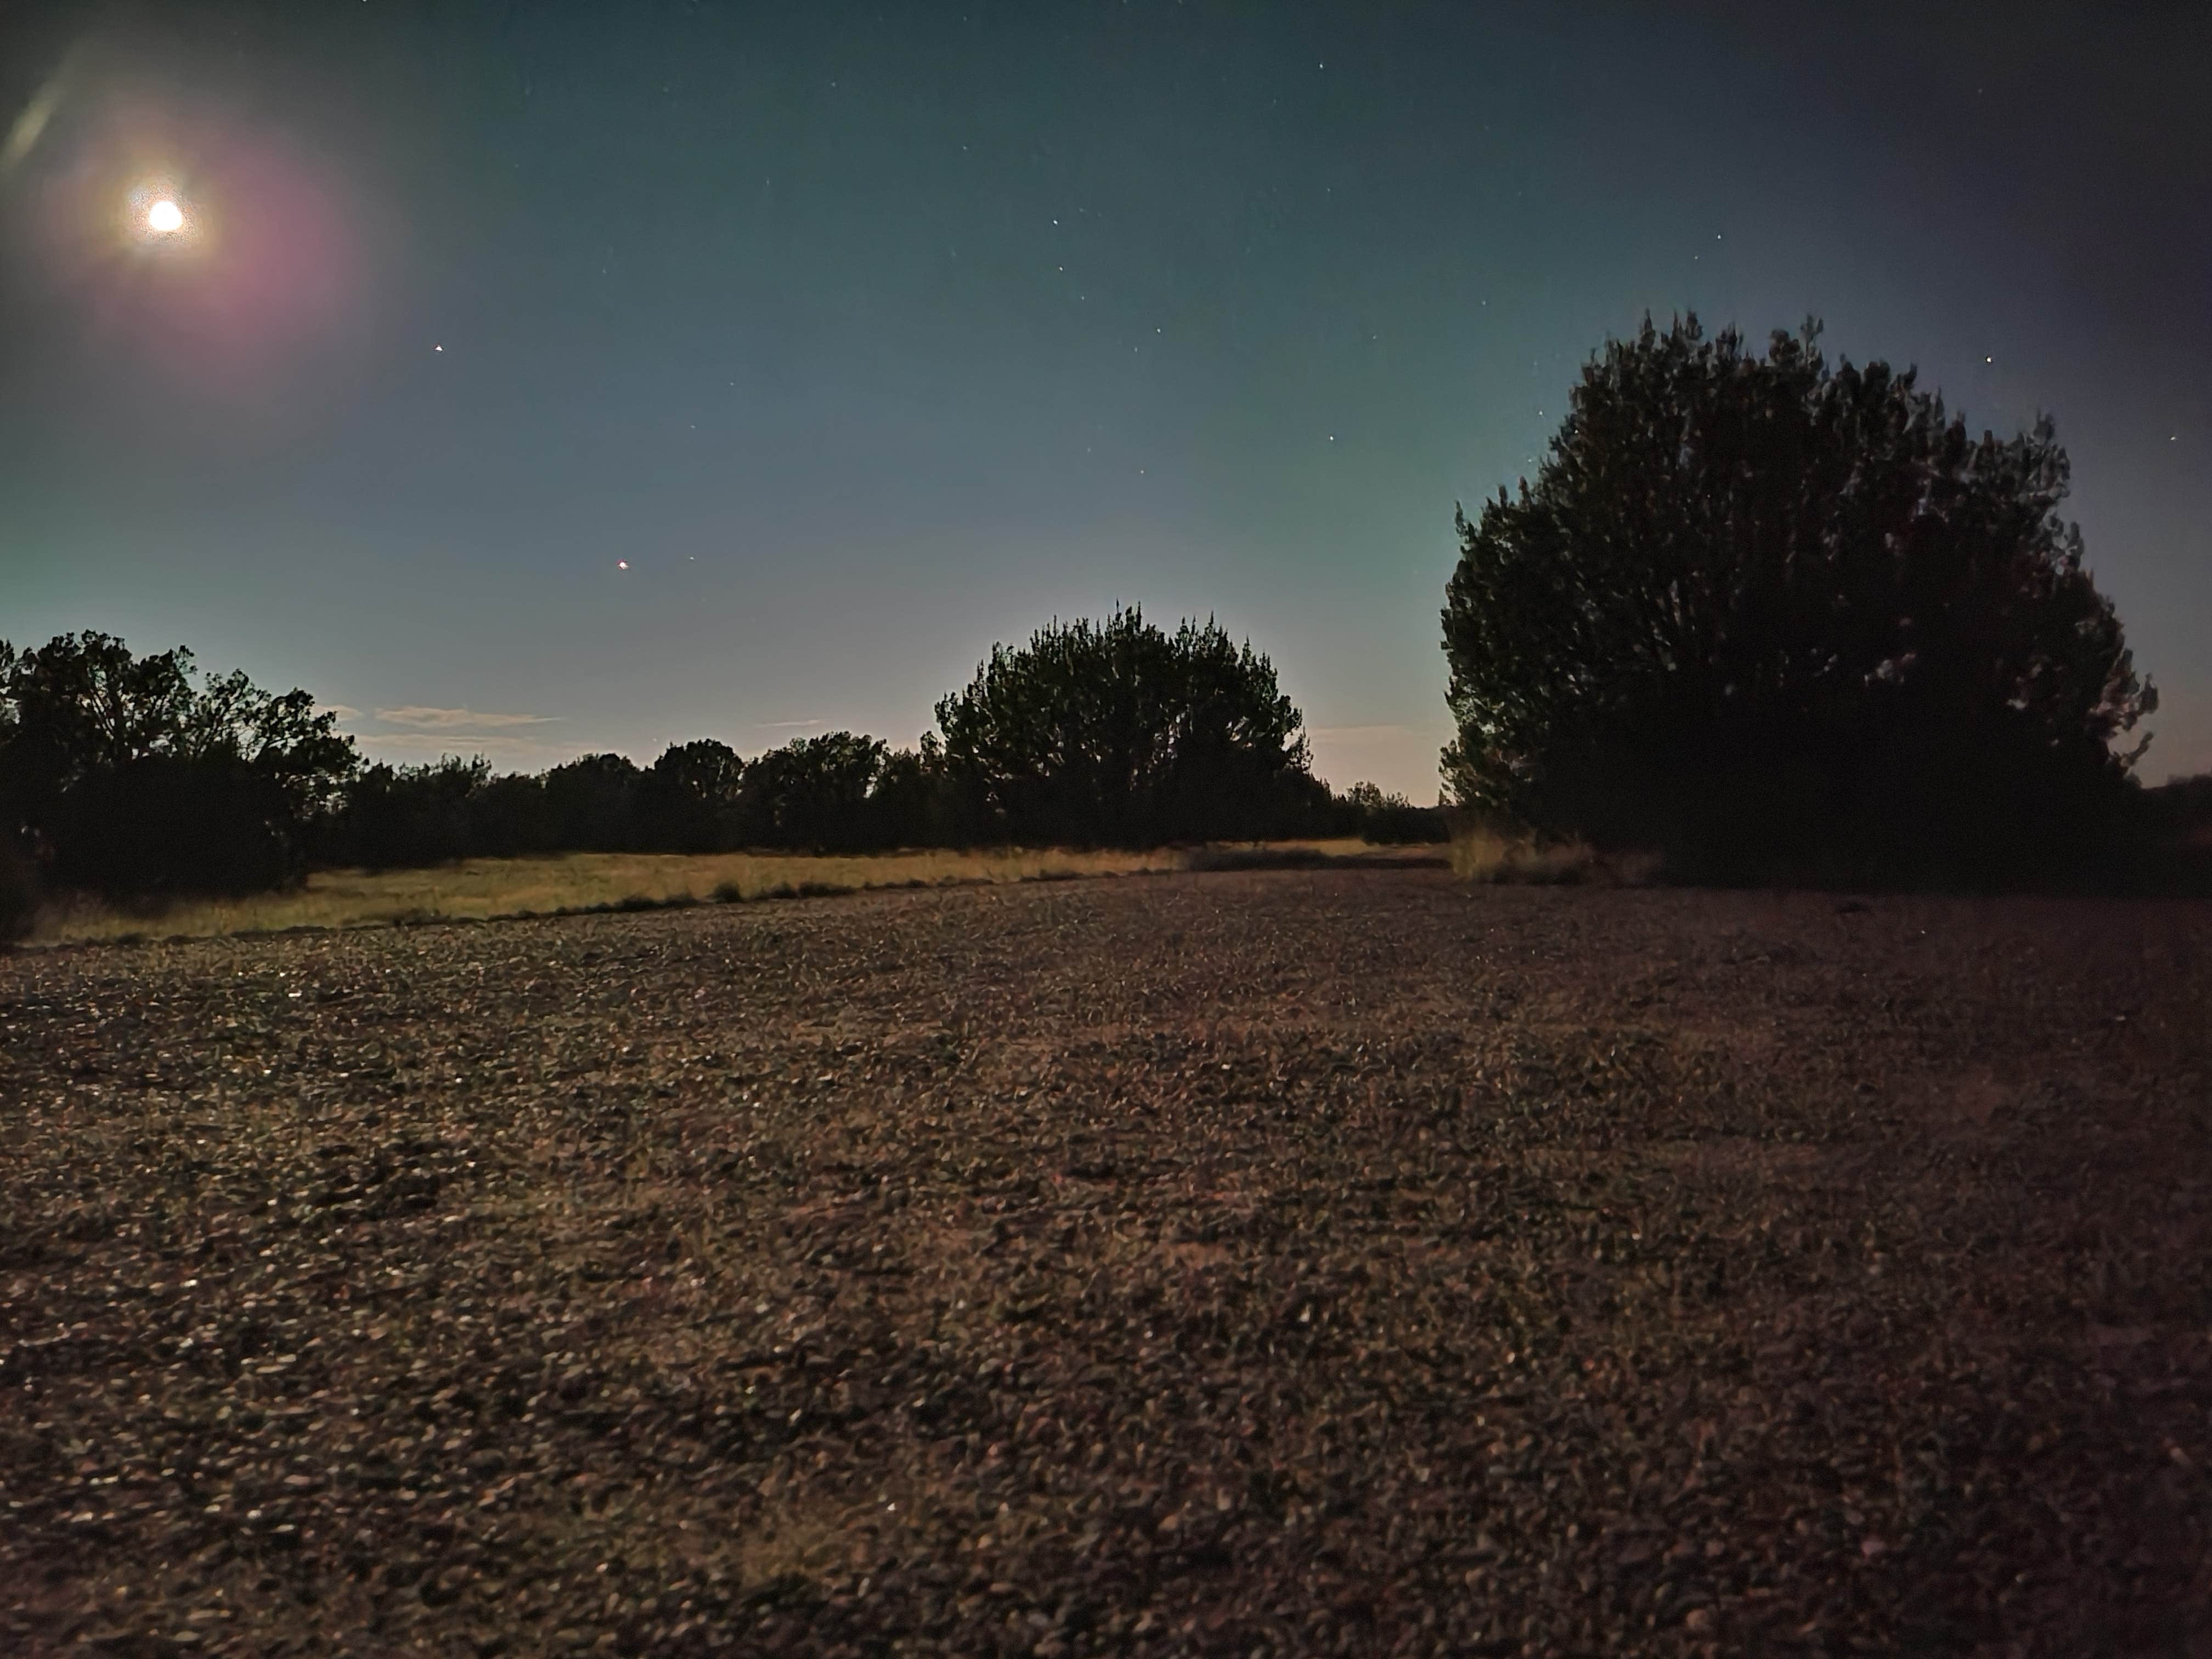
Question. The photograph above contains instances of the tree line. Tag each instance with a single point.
(1772, 618)
(131, 775)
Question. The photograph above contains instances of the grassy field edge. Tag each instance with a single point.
(497, 889)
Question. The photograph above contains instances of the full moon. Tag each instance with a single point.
(165, 217)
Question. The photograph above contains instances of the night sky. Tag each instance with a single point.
(868, 336)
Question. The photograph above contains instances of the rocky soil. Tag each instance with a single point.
(1243, 1264)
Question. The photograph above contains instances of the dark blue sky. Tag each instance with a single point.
(870, 335)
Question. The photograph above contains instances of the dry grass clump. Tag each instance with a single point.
(1485, 854)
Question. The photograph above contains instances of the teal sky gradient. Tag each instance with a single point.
(868, 336)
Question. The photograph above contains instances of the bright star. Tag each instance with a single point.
(165, 217)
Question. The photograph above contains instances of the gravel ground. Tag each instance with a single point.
(1285, 1263)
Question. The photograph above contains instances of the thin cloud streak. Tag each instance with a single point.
(442, 719)
(415, 745)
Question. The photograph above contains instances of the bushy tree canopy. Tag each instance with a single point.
(1118, 732)
(1768, 614)
(409, 817)
(119, 772)
(687, 798)
(591, 803)
(812, 792)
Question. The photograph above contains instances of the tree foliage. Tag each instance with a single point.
(688, 800)
(132, 776)
(409, 817)
(591, 803)
(839, 792)
(813, 792)
(120, 773)
(1122, 734)
(1769, 615)
(1366, 811)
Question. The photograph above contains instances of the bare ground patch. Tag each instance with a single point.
(1310, 1261)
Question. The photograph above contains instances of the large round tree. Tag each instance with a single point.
(1118, 733)
(1778, 618)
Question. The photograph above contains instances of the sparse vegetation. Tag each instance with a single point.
(1488, 855)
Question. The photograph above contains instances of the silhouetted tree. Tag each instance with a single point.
(509, 816)
(591, 803)
(2181, 808)
(164, 824)
(118, 774)
(409, 817)
(2174, 836)
(1771, 617)
(1119, 733)
(687, 803)
(19, 893)
(812, 792)
(915, 802)
(1391, 819)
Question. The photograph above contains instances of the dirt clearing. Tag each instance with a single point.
(1298, 1262)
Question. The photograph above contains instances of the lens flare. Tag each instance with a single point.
(227, 255)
